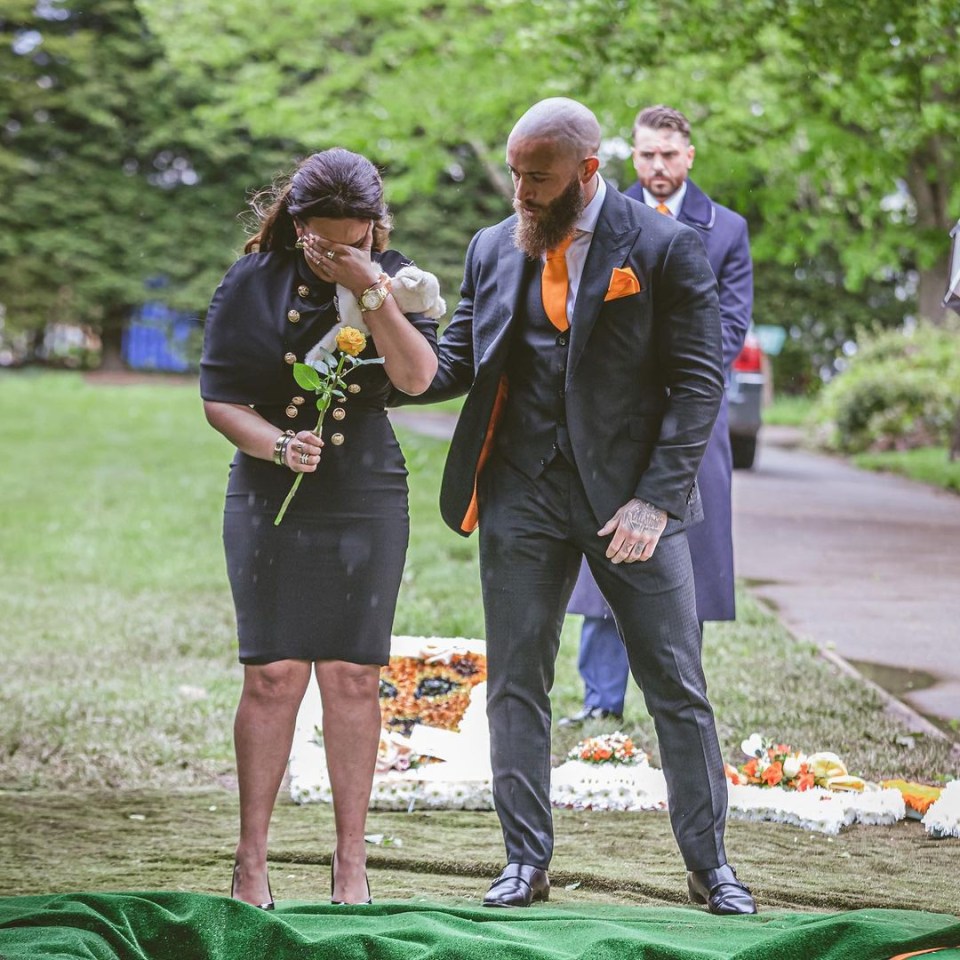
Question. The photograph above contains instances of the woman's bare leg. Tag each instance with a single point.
(351, 735)
(262, 736)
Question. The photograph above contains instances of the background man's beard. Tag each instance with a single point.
(535, 235)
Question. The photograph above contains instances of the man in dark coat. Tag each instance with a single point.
(662, 157)
(588, 337)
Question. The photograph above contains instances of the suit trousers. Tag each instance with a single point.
(533, 532)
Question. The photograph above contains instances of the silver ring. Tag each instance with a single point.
(304, 458)
(329, 254)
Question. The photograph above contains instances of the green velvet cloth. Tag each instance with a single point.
(183, 926)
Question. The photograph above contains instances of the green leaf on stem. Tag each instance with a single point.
(306, 376)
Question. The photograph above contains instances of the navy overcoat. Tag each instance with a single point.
(724, 234)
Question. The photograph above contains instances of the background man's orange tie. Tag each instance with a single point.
(554, 283)
(663, 208)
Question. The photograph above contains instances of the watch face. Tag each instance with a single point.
(372, 299)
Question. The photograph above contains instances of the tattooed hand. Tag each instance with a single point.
(636, 529)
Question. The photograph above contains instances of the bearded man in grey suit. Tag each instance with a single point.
(588, 340)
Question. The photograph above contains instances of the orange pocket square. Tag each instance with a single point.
(623, 283)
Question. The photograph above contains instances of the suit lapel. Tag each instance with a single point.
(614, 236)
(511, 274)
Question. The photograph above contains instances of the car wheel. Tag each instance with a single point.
(744, 451)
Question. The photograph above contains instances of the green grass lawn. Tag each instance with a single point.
(120, 680)
(787, 410)
(929, 465)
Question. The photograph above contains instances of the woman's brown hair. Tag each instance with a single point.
(336, 184)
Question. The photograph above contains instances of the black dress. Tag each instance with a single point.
(323, 584)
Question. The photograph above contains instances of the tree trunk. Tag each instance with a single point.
(932, 284)
(495, 175)
(111, 338)
(929, 181)
(955, 438)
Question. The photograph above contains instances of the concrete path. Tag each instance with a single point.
(862, 564)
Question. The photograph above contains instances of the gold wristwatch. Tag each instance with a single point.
(372, 298)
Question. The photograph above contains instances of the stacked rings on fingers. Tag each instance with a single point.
(304, 458)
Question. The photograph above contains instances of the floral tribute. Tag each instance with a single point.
(433, 688)
(942, 819)
(607, 748)
(918, 797)
(779, 765)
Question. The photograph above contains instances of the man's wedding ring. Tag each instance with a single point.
(299, 448)
(329, 254)
(304, 458)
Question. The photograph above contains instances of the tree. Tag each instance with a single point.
(405, 83)
(107, 183)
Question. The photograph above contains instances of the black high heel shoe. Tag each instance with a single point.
(342, 903)
(269, 905)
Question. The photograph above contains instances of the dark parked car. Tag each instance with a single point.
(745, 402)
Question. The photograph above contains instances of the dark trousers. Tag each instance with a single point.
(532, 535)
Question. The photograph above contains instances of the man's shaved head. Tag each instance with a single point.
(569, 124)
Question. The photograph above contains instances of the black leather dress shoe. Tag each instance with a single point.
(589, 713)
(518, 886)
(721, 891)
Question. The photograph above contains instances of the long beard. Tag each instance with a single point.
(535, 235)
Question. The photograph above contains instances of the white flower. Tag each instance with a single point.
(754, 746)
(943, 817)
(792, 764)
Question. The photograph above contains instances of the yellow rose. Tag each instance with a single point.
(351, 341)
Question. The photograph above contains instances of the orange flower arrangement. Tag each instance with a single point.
(779, 765)
(608, 748)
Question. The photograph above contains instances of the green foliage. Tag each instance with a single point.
(822, 318)
(901, 391)
(788, 410)
(827, 126)
(930, 465)
(107, 181)
(137, 127)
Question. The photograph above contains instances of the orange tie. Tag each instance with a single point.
(663, 208)
(554, 283)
